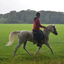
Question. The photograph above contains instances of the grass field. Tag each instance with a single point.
(43, 57)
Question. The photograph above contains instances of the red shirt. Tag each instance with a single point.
(37, 25)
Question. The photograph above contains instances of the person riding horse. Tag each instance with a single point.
(36, 28)
(25, 36)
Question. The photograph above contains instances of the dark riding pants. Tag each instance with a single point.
(41, 35)
(38, 35)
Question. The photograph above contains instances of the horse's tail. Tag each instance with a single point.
(11, 37)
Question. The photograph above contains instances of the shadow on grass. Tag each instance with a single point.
(39, 56)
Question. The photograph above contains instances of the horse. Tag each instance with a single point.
(25, 36)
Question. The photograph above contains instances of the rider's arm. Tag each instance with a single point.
(38, 23)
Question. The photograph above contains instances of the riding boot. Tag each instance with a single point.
(39, 41)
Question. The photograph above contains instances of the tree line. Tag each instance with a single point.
(47, 17)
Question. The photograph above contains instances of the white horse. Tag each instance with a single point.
(25, 36)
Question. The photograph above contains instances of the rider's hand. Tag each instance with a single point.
(44, 27)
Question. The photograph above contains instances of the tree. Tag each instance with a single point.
(47, 17)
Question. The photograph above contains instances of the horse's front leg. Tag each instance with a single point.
(49, 47)
(38, 50)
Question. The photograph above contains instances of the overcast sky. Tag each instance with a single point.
(48, 5)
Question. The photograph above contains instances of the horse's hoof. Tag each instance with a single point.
(13, 57)
(29, 53)
(53, 53)
(35, 54)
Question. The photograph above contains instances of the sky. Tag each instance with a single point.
(17, 5)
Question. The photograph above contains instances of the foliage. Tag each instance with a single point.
(43, 57)
(47, 17)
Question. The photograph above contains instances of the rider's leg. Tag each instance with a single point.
(41, 36)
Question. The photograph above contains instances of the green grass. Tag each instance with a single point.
(43, 57)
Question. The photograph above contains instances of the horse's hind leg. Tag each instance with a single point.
(24, 46)
(17, 48)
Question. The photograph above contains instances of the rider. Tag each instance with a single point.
(36, 28)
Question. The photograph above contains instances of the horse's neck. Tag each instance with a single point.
(46, 32)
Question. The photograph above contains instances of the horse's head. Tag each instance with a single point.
(52, 29)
